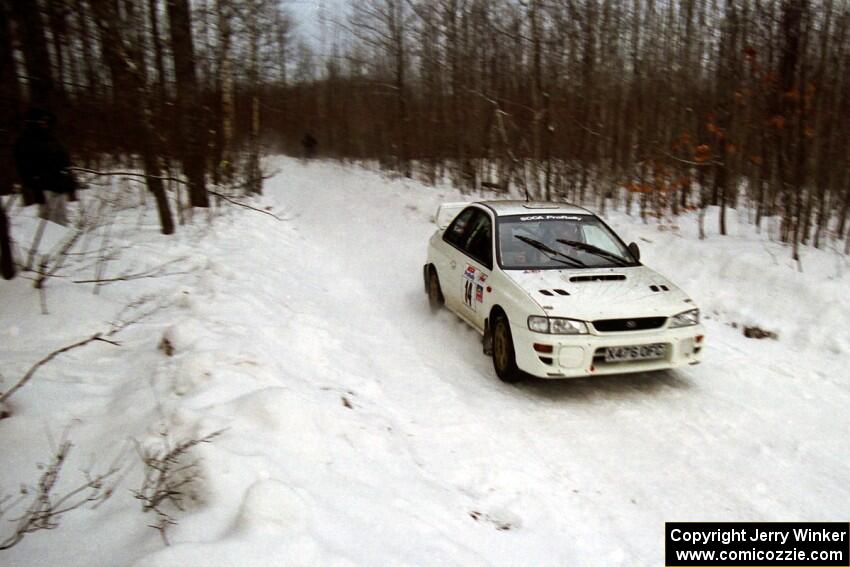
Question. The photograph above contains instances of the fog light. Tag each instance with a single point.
(542, 348)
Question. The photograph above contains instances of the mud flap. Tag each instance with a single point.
(487, 339)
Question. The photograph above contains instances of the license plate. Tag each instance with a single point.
(639, 352)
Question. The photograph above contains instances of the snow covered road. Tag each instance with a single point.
(363, 430)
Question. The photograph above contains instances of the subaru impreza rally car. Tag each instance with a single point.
(556, 293)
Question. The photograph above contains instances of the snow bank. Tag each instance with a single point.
(747, 279)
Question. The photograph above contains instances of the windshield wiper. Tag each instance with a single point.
(594, 250)
(554, 254)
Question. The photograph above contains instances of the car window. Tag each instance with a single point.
(596, 236)
(455, 232)
(558, 241)
(479, 242)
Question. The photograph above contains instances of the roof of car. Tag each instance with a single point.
(502, 208)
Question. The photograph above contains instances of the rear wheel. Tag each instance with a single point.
(504, 359)
(435, 294)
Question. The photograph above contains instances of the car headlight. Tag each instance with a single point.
(538, 324)
(685, 319)
(556, 325)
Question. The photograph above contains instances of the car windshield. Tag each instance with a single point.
(542, 242)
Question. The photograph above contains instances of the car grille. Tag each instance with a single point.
(622, 325)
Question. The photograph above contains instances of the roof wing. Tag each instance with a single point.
(447, 212)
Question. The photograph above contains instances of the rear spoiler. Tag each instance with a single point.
(447, 212)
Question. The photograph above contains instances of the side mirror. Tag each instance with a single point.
(635, 250)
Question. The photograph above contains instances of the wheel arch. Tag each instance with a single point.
(495, 310)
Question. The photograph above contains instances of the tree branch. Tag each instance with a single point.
(176, 180)
(240, 204)
(31, 372)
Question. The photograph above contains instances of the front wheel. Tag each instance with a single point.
(504, 359)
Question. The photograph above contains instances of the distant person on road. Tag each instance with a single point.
(309, 143)
(42, 163)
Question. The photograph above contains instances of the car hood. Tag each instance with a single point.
(605, 293)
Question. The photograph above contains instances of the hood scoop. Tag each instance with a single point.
(598, 278)
(550, 292)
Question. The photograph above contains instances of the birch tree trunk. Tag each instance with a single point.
(223, 158)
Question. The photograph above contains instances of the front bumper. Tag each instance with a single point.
(574, 356)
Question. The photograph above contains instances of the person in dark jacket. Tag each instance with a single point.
(42, 164)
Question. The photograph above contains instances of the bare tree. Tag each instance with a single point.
(664, 105)
(169, 476)
(33, 40)
(126, 64)
(45, 508)
(188, 101)
(8, 106)
(7, 262)
(384, 25)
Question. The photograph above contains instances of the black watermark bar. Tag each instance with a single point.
(757, 544)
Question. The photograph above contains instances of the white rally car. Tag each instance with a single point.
(556, 293)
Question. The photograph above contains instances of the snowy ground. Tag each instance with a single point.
(362, 430)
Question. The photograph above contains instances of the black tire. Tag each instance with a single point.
(504, 358)
(435, 294)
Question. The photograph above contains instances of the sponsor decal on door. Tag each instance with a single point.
(470, 274)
